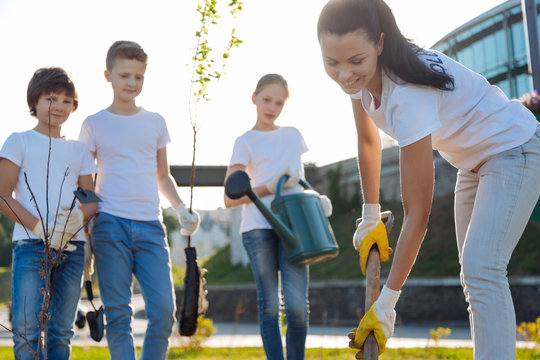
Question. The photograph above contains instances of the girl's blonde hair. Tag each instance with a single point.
(271, 79)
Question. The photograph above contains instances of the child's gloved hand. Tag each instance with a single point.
(326, 205)
(371, 231)
(380, 319)
(70, 222)
(188, 220)
(292, 181)
(59, 240)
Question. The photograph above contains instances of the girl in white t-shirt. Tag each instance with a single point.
(427, 101)
(266, 152)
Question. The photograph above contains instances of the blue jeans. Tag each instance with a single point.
(493, 204)
(268, 262)
(26, 299)
(123, 248)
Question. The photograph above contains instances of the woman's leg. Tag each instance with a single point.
(507, 191)
(295, 283)
(262, 248)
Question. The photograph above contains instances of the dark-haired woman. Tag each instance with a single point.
(426, 101)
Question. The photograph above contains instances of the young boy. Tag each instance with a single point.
(24, 158)
(129, 144)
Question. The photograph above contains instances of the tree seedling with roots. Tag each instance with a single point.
(205, 69)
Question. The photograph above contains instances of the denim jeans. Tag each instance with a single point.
(493, 204)
(123, 248)
(270, 265)
(26, 299)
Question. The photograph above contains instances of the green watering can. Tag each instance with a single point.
(298, 219)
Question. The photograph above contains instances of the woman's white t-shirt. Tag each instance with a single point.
(265, 154)
(467, 125)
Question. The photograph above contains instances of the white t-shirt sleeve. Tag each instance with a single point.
(241, 153)
(304, 145)
(88, 165)
(86, 135)
(164, 138)
(413, 113)
(13, 149)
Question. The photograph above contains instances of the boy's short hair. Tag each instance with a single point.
(124, 49)
(46, 80)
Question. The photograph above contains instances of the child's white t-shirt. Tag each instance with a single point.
(266, 154)
(69, 159)
(467, 125)
(126, 153)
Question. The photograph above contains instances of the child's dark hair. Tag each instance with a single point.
(399, 54)
(50, 80)
(124, 49)
(272, 79)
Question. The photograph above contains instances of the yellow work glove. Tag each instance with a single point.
(371, 231)
(70, 222)
(380, 319)
(58, 239)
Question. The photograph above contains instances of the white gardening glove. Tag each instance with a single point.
(292, 181)
(326, 205)
(58, 240)
(371, 230)
(70, 222)
(371, 216)
(188, 220)
(88, 259)
(380, 319)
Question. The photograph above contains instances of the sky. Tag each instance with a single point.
(279, 36)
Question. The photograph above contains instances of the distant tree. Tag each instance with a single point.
(171, 225)
(6, 245)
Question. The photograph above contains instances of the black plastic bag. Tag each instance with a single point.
(194, 303)
(94, 318)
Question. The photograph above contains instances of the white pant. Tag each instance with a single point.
(493, 204)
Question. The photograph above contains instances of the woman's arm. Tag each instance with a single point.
(165, 182)
(9, 173)
(416, 169)
(369, 154)
(261, 191)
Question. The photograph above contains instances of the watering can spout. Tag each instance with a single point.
(238, 185)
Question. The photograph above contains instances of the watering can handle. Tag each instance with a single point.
(282, 181)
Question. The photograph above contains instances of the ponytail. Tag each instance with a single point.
(399, 55)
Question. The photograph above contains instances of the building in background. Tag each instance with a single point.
(494, 45)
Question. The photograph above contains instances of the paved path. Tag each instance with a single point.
(247, 335)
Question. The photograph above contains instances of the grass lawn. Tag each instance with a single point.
(99, 353)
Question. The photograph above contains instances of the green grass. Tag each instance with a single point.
(99, 353)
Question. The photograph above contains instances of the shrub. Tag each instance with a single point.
(530, 331)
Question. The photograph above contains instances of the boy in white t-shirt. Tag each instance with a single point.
(43, 169)
(128, 238)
